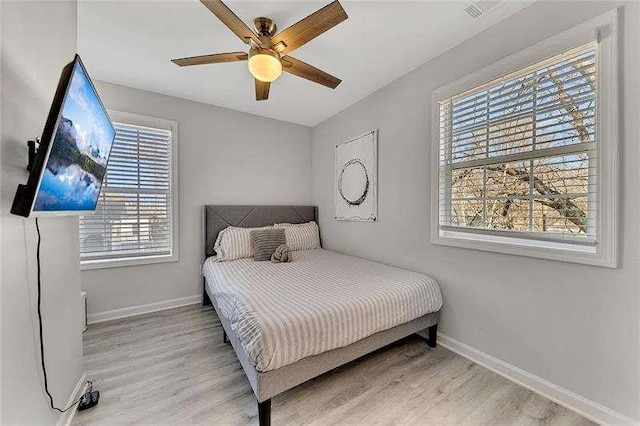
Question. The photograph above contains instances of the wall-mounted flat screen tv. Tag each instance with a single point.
(71, 161)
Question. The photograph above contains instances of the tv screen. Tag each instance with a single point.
(74, 150)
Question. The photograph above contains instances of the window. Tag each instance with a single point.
(134, 221)
(520, 157)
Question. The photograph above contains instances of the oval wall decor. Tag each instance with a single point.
(355, 171)
(356, 178)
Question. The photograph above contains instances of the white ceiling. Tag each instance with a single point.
(131, 43)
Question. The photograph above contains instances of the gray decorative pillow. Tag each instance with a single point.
(266, 241)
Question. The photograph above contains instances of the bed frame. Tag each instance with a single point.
(268, 384)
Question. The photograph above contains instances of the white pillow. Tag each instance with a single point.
(234, 243)
(301, 236)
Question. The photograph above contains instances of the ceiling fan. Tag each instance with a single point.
(268, 55)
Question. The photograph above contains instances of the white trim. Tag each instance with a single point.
(86, 265)
(563, 252)
(157, 123)
(580, 405)
(608, 127)
(66, 418)
(132, 311)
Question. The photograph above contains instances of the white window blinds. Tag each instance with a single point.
(518, 155)
(133, 215)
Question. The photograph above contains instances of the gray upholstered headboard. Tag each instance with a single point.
(216, 218)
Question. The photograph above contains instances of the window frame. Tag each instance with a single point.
(604, 29)
(158, 123)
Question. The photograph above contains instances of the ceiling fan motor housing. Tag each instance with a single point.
(260, 51)
(265, 26)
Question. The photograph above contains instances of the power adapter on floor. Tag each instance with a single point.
(89, 399)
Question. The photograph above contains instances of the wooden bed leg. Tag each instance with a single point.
(264, 412)
(433, 333)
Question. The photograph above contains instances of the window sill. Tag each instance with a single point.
(562, 252)
(121, 263)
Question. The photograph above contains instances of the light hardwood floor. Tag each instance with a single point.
(172, 367)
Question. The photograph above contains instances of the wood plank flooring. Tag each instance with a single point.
(172, 367)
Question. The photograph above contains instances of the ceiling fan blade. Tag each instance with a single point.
(310, 27)
(262, 90)
(211, 59)
(304, 70)
(231, 20)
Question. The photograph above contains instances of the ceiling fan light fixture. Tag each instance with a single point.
(264, 64)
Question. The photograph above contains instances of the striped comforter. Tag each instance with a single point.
(320, 301)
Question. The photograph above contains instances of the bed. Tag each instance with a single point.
(289, 323)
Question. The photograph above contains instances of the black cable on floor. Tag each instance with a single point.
(44, 368)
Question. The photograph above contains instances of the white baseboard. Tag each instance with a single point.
(143, 309)
(574, 402)
(66, 418)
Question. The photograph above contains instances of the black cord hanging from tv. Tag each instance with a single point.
(44, 368)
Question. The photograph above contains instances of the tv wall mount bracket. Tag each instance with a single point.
(33, 146)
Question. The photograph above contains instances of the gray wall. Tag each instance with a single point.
(224, 157)
(38, 39)
(576, 326)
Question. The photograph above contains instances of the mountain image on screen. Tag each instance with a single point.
(78, 158)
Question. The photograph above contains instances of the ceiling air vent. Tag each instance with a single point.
(477, 9)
